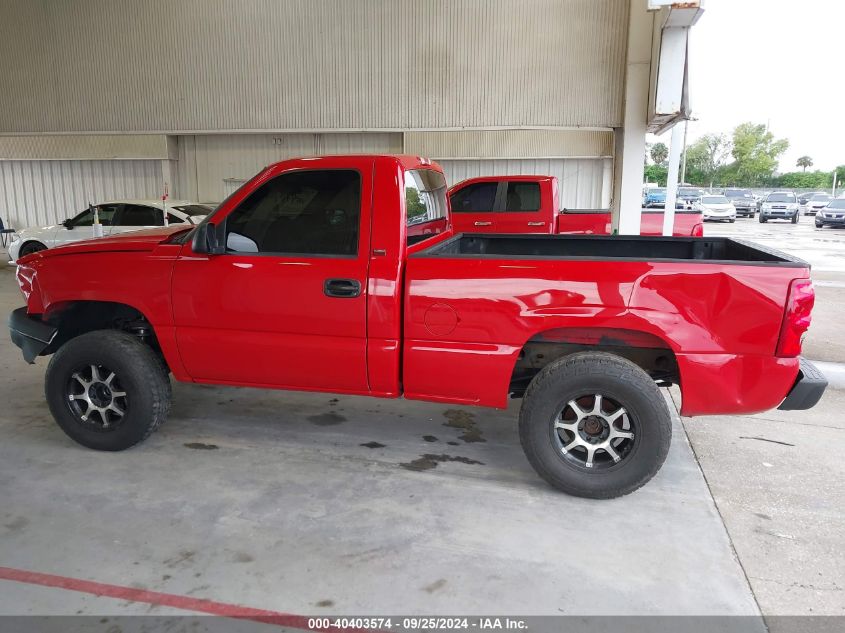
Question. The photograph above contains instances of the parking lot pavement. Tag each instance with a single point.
(778, 477)
(315, 504)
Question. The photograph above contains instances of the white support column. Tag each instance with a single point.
(606, 183)
(629, 155)
(675, 148)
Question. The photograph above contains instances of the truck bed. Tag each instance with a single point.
(602, 247)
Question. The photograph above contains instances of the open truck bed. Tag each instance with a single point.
(598, 247)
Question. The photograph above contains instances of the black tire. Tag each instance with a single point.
(731, 221)
(31, 247)
(819, 225)
(795, 218)
(137, 372)
(762, 219)
(570, 378)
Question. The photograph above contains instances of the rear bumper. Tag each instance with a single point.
(29, 333)
(807, 390)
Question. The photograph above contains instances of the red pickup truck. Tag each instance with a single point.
(343, 274)
(530, 204)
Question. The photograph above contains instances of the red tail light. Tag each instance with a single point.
(796, 319)
(697, 230)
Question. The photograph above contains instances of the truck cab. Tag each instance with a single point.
(512, 204)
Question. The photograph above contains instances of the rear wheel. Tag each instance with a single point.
(31, 247)
(595, 425)
(107, 390)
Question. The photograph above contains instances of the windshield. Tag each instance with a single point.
(657, 190)
(714, 200)
(737, 193)
(836, 204)
(781, 197)
(821, 198)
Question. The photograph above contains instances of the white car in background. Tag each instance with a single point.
(715, 207)
(116, 217)
(816, 203)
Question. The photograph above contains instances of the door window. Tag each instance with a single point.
(172, 219)
(475, 198)
(309, 212)
(523, 196)
(139, 215)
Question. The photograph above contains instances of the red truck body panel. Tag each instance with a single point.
(440, 328)
(549, 218)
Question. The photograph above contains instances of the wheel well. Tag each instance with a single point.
(78, 317)
(647, 351)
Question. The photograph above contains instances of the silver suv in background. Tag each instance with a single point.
(816, 202)
(780, 205)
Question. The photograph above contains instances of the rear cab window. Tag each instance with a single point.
(425, 204)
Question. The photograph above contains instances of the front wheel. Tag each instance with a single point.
(595, 425)
(31, 247)
(795, 218)
(107, 390)
(732, 220)
(762, 219)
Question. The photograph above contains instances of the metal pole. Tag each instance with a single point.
(672, 181)
(684, 156)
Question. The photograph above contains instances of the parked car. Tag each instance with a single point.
(743, 201)
(655, 197)
(530, 204)
(832, 215)
(342, 274)
(687, 197)
(116, 217)
(716, 207)
(816, 202)
(780, 205)
(804, 197)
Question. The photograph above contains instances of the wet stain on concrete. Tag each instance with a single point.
(373, 445)
(430, 438)
(243, 557)
(333, 402)
(201, 447)
(326, 419)
(763, 516)
(429, 461)
(166, 577)
(437, 584)
(465, 421)
(16, 524)
(325, 603)
(453, 443)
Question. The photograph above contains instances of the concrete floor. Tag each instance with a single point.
(274, 500)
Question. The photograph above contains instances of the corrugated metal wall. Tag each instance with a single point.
(210, 166)
(581, 179)
(88, 147)
(310, 65)
(511, 144)
(41, 192)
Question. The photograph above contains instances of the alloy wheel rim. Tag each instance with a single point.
(594, 432)
(96, 398)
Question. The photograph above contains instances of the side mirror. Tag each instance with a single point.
(68, 224)
(210, 239)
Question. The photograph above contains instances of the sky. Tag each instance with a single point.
(772, 61)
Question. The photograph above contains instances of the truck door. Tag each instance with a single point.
(285, 305)
(474, 207)
(522, 210)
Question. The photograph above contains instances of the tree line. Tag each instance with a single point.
(748, 158)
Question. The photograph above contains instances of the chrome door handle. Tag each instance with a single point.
(536, 224)
(483, 223)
